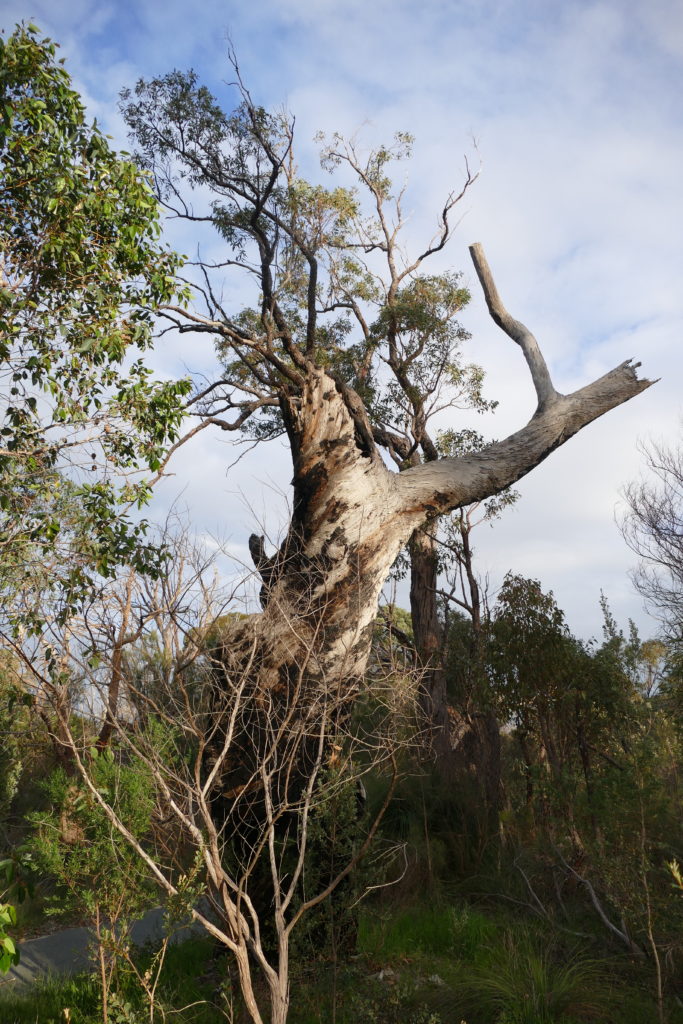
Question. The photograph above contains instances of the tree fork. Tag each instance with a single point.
(452, 482)
(352, 515)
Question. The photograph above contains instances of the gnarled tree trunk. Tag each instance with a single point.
(352, 515)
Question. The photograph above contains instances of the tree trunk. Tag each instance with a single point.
(116, 673)
(349, 522)
(428, 634)
(488, 766)
(311, 642)
(352, 515)
(484, 747)
(528, 763)
(485, 725)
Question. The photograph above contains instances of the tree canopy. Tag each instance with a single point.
(81, 274)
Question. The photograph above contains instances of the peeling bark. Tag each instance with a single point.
(352, 515)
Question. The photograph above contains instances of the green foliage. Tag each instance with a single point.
(521, 983)
(185, 993)
(335, 829)
(14, 712)
(439, 930)
(81, 276)
(9, 954)
(96, 870)
(14, 869)
(529, 645)
(479, 970)
(16, 875)
(420, 328)
(566, 699)
(318, 292)
(99, 877)
(639, 812)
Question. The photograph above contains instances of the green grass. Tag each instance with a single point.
(46, 1002)
(517, 981)
(419, 930)
(416, 965)
(189, 983)
(449, 964)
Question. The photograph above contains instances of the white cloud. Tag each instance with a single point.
(576, 109)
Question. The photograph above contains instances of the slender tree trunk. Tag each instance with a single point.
(423, 605)
(527, 759)
(489, 767)
(428, 634)
(485, 724)
(429, 641)
(587, 768)
(116, 674)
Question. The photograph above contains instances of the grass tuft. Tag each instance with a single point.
(515, 981)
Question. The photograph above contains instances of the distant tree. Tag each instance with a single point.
(530, 658)
(568, 703)
(600, 762)
(653, 528)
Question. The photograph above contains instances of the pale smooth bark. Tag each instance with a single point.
(452, 482)
(352, 515)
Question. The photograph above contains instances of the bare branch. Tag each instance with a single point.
(514, 329)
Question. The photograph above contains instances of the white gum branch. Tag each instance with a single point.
(450, 483)
(540, 375)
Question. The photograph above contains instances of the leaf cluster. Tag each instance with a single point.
(81, 274)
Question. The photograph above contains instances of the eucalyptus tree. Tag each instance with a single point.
(81, 271)
(346, 345)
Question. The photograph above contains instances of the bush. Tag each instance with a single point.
(518, 982)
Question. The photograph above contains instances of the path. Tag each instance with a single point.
(70, 951)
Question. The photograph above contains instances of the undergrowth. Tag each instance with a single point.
(418, 964)
(191, 991)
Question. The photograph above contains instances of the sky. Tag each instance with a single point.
(574, 110)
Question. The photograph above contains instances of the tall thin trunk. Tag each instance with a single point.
(116, 674)
(490, 767)
(485, 724)
(428, 635)
(587, 768)
(527, 760)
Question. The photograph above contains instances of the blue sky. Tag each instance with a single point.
(575, 107)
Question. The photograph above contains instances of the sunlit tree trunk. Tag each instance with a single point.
(352, 515)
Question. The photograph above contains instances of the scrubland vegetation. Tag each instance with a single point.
(456, 812)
